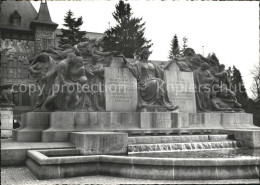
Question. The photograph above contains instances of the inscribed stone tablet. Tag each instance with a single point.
(180, 87)
(120, 89)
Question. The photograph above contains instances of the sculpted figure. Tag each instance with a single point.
(190, 61)
(203, 80)
(97, 85)
(63, 81)
(95, 72)
(6, 96)
(101, 57)
(151, 85)
(62, 52)
(70, 78)
(213, 61)
(44, 69)
(223, 99)
(222, 77)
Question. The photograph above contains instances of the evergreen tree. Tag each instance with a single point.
(239, 88)
(72, 35)
(175, 49)
(128, 35)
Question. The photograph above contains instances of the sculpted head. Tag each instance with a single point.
(216, 87)
(82, 45)
(222, 67)
(71, 57)
(43, 57)
(79, 61)
(145, 53)
(205, 66)
(189, 52)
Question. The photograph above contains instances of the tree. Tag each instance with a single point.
(238, 87)
(255, 88)
(175, 49)
(184, 45)
(254, 103)
(128, 35)
(72, 35)
(253, 108)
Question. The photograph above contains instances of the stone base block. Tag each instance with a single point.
(250, 137)
(100, 142)
(52, 135)
(6, 133)
(24, 135)
(33, 123)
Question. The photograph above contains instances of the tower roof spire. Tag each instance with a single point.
(43, 16)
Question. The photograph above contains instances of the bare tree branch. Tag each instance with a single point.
(255, 88)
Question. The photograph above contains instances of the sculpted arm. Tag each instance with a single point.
(101, 53)
(168, 65)
(34, 69)
(131, 66)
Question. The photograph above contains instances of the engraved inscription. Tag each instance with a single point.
(121, 89)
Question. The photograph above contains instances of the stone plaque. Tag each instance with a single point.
(180, 87)
(96, 143)
(120, 88)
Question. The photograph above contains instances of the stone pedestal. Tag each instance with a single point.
(59, 127)
(100, 142)
(32, 125)
(56, 126)
(250, 137)
(6, 113)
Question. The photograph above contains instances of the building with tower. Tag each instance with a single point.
(24, 32)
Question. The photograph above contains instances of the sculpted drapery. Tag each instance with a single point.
(150, 79)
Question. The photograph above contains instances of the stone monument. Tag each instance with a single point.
(112, 93)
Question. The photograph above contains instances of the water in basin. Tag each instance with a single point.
(221, 153)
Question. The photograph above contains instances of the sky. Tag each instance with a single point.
(230, 29)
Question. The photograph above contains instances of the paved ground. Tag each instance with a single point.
(22, 176)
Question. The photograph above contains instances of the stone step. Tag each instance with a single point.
(176, 138)
(137, 148)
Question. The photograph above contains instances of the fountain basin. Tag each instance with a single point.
(62, 163)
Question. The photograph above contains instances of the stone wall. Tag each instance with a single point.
(44, 39)
(15, 56)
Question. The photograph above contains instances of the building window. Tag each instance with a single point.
(15, 18)
(44, 44)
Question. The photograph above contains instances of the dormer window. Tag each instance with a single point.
(15, 18)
